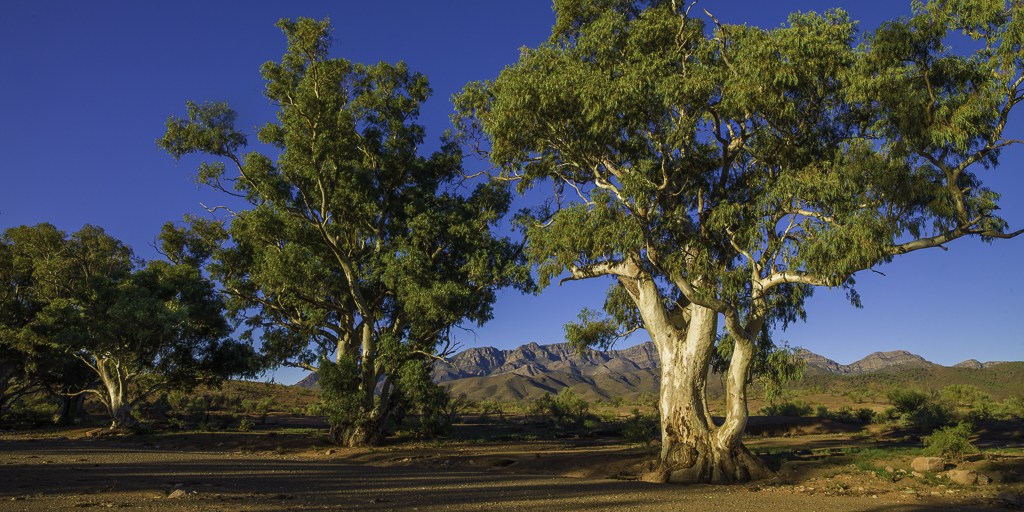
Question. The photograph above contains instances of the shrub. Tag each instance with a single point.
(1010, 409)
(951, 442)
(865, 415)
(245, 425)
(261, 407)
(907, 402)
(963, 395)
(976, 404)
(919, 410)
(787, 408)
(646, 400)
(434, 407)
(566, 409)
(642, 428)
(487, 407)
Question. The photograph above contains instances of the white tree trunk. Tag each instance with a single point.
(693, 449)
(116, 398)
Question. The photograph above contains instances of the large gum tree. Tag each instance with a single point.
(718, 173)
(353, 255)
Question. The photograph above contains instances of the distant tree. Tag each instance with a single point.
(26, 365)
(137, 329)
(15, 310)
(723, 172)
(356, 255)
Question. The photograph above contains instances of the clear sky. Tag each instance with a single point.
(87, 87)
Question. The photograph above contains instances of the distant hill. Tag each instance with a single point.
(872, 363)
(977, 365)
(531, 370)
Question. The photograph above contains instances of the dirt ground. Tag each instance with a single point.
(270, 470)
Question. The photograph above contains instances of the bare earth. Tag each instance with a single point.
(262, 471)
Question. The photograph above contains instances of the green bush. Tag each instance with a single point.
(975, 404)
(918, 410)
(567, 409)
(865, 415)
(642, 428)
(245, 425)
(951, 442)
(907, 402)
(787, 408)
(1010, 409)
(488, 407)
(847, 414)
(261, 407)
(963, 395)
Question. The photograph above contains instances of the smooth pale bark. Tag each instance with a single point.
(694, 449)
(116, 383)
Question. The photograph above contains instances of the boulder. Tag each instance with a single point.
(179, 493)
(962, 476)
(928, 464)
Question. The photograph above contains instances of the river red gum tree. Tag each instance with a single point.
(718, 173)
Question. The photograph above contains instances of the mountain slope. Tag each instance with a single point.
(532, 370)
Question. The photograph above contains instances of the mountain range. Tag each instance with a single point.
(531, 370)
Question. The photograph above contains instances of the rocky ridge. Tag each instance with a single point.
(533, 369)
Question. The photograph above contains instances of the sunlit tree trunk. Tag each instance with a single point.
(694, 449)
(115, 383)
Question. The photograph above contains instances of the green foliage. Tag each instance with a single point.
(245, 425)
(907, 401)
(1012, 408)
(433, 407)
(566, 409)
(261, 407)
(788, 408)
(919, 410)
(951, 442)
(642, 428)
(355, 247)
(135, 328)
(341, 400)
(488, 407)
(846, 414)
(973, 403)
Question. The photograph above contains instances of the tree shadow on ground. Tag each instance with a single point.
(63, 474)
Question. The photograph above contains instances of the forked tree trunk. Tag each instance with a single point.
(694, 449)
(116, 398)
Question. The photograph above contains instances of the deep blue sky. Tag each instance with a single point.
(87, 87)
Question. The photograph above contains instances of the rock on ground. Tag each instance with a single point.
(928, 464)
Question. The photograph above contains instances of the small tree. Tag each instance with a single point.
(951, 442)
